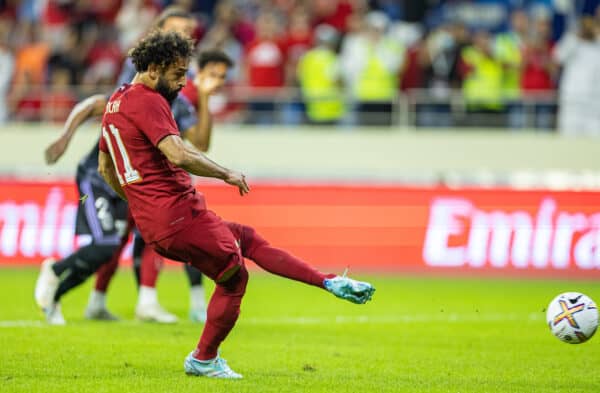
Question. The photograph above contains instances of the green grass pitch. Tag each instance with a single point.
(418, 335)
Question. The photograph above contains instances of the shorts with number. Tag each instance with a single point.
(101, 214)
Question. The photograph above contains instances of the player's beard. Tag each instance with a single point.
(162, 87)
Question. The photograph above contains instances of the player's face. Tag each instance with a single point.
(172, 80)
(184, 26)
(216, 71)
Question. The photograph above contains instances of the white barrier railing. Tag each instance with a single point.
(241, 104)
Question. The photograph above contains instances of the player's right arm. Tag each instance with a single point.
(193, 161)
(90, 107)
(107, 169)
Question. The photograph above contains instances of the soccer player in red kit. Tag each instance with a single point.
(143, 158)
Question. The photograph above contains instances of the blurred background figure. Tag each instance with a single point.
(30, 72)
(297, 41)
(319, 77)
(133, 20)
(371, 63)
(265, 69)
(58, 99)
(538, 79)
(482, 82)
(579, 89)
(7, 64)
(439, 57)
(508, 50)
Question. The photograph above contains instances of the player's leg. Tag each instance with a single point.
(284, 264)
(148, 307)
(96, 307)
(57, 278)
(209, 245)
(138, 248)
(80, 265)
(197, 302)
(223, 312)
(102, 218)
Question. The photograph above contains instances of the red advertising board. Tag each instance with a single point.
(365, 227)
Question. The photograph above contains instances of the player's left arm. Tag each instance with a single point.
(90, 107)
(106, 168)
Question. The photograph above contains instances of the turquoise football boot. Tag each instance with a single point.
(346, 288)
(213, 368)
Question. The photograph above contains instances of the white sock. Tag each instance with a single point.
(97, 300)
(147, 296)
(197, 301)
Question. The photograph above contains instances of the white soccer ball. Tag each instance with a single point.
(572, 317)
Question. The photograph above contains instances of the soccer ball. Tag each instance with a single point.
(572, 317)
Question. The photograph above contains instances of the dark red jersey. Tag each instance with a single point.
(161, 197)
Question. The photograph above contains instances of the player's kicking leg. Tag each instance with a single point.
(284, 264)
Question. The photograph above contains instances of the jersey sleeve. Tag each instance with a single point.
(154, 118)
(184, 113)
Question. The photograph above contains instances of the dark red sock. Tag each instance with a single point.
(222, 313)
(278, 261)
(150, 267)
(105, 273)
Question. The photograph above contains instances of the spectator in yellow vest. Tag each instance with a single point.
(319, 77)
(371, 63)
(482, 82)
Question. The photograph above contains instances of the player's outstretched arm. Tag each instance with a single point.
(91, 106)
(193, 161)
(108, 172)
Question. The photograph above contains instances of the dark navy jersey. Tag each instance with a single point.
(127, 72)
(184, 113)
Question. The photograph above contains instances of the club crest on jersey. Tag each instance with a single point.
(567, 313)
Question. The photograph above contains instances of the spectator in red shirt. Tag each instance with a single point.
(332, 12)
(297, 42)
(226, 13)
(298, 39)
(58, 99)
(265, 69)
(104, 59)
(539, 69)
(539, 73)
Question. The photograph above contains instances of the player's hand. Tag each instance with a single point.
(55, 150)
(239, 180)
(206, 85)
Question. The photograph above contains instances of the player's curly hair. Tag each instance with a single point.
(160, 48)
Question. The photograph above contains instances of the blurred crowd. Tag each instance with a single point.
(509, 63)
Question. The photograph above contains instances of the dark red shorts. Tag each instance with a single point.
(210, 244)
